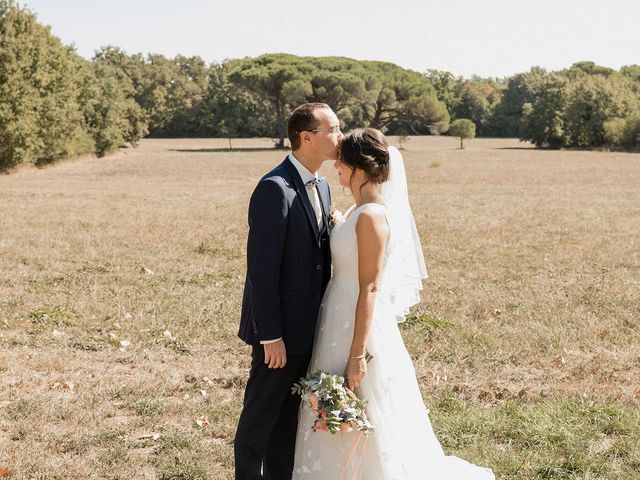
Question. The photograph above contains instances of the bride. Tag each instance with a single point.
(378, 271)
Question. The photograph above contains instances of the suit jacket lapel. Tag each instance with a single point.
(302, 194)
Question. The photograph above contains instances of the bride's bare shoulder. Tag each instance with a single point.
(372, 221)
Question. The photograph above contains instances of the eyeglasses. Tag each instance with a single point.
(330, 130)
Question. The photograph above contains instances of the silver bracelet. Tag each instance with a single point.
(360, 357)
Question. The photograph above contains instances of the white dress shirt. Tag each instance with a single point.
(312, 190)
(314, 198)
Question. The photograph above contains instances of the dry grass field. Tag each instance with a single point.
(121, 279)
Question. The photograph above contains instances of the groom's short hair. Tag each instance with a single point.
(302, 119)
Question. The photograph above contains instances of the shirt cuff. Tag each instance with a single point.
(264, 342)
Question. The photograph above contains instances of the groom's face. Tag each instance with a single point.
(327, 134)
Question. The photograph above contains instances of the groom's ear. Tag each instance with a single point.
(305, 136)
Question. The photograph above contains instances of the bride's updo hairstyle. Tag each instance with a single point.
(368, 150)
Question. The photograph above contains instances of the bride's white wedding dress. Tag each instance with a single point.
(403, 445)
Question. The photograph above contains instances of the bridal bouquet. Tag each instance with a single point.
(338, 408)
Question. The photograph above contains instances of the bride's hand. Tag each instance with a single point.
(355, 372)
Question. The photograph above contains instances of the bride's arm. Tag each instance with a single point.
(372, 232)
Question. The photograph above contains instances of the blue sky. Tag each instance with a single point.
(488, 38)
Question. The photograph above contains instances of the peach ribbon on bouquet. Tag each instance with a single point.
(354, 447)
(350, 455)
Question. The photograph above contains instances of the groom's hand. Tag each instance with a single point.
(275, 354)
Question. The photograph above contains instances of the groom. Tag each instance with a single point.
(288, 267)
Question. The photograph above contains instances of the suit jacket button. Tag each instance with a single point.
(318, 267)
(317, 295)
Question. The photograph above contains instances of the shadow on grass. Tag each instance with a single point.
(218, 150)
(523, 148)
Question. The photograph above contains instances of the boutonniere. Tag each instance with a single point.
(335, 216)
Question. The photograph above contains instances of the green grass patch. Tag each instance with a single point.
(427, 321)
(181, 457)
(24, 408)
(555, 439)
(141, 403)
(52, 316)
(427, 325)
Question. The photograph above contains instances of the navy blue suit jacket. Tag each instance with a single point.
(288, 261)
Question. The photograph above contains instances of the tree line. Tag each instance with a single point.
(55, 104)
(585, 105)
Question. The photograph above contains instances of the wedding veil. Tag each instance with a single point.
(405, 265)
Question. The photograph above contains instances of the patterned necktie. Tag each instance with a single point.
(315, 181)
(315, 198)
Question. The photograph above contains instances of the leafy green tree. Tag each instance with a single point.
(543, 121)
(579, 69)
(471, 104)
(402, 99)
(615, 132)
(40, 119)
(184, 84)
(282, 80)
(632, 72)
(337, 81)
(342, 83)
(632, 132)
(463, 128)
(230, 111)
(59, 120)
(623, 132)
(506, 119)
(171, 92)
(594, 99)
(19, 99)
(130, 72)
(105, 108)
(444, 84)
